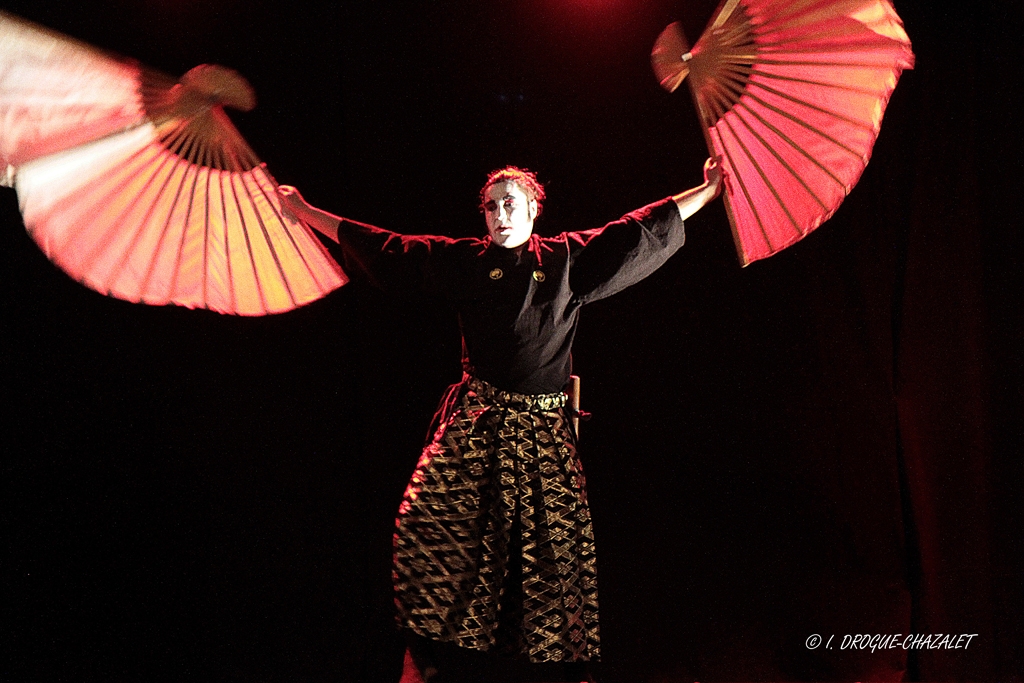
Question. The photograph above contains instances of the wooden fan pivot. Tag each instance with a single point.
(670, 56)
(718, 65)
(204, 87)
(220, 85)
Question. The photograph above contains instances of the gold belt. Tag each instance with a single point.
(511, 399)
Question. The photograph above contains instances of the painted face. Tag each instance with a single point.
(509, 214)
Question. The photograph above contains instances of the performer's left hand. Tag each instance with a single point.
(713, 175)
(693, 200)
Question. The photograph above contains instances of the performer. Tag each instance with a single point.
(493, 543)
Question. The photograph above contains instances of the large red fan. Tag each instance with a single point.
(140, 187)
(790, 95)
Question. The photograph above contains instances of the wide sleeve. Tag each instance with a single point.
(606, 260)
(396, 263)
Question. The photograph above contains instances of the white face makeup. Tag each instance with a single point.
(509, 214)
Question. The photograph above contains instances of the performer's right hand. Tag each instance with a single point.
(295, 208)
(292, 203)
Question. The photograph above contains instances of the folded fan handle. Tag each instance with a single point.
(572, 390)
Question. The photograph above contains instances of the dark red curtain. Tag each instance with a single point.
(958, 363)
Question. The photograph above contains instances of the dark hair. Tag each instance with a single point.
(522, 177)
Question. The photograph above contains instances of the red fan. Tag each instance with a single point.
(141, 188)
(790, 95)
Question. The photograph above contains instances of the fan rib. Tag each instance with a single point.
(736, 58)
(177, 138)
(167, 224)
(735, 82)
(310, 272)
(736, 86)
(815, 107)
(737, 34)
(767, 181)
(227, 239)
(739, 71)
(728, 7)
(725, 90)
(712, 97)
(779, 157)
(271, 247)
(93, 247)
(715, 104)
(206, 239)
(234, 158)
(240, 153)
(809, 62)
(730, 96)
(115, 272)
(277, 214)
(795, 146)
(806, 125)
(702, 112)
(207, 158)
(218, 158)
(824, 84)
(198, 144)
(188, 144)
(196, 152)
(825, 41)
(112, 181)
(747, 71)
(184, 232)
(746, 194)
(252, 256)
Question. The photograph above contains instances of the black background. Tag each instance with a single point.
(825, 442)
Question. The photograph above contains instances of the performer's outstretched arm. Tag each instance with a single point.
(691, 201)
(609, 259)
(388, 260)
(318, 219)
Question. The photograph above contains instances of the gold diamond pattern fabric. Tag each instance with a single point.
(494, 548)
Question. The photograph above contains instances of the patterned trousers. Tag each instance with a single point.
(493, 546)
